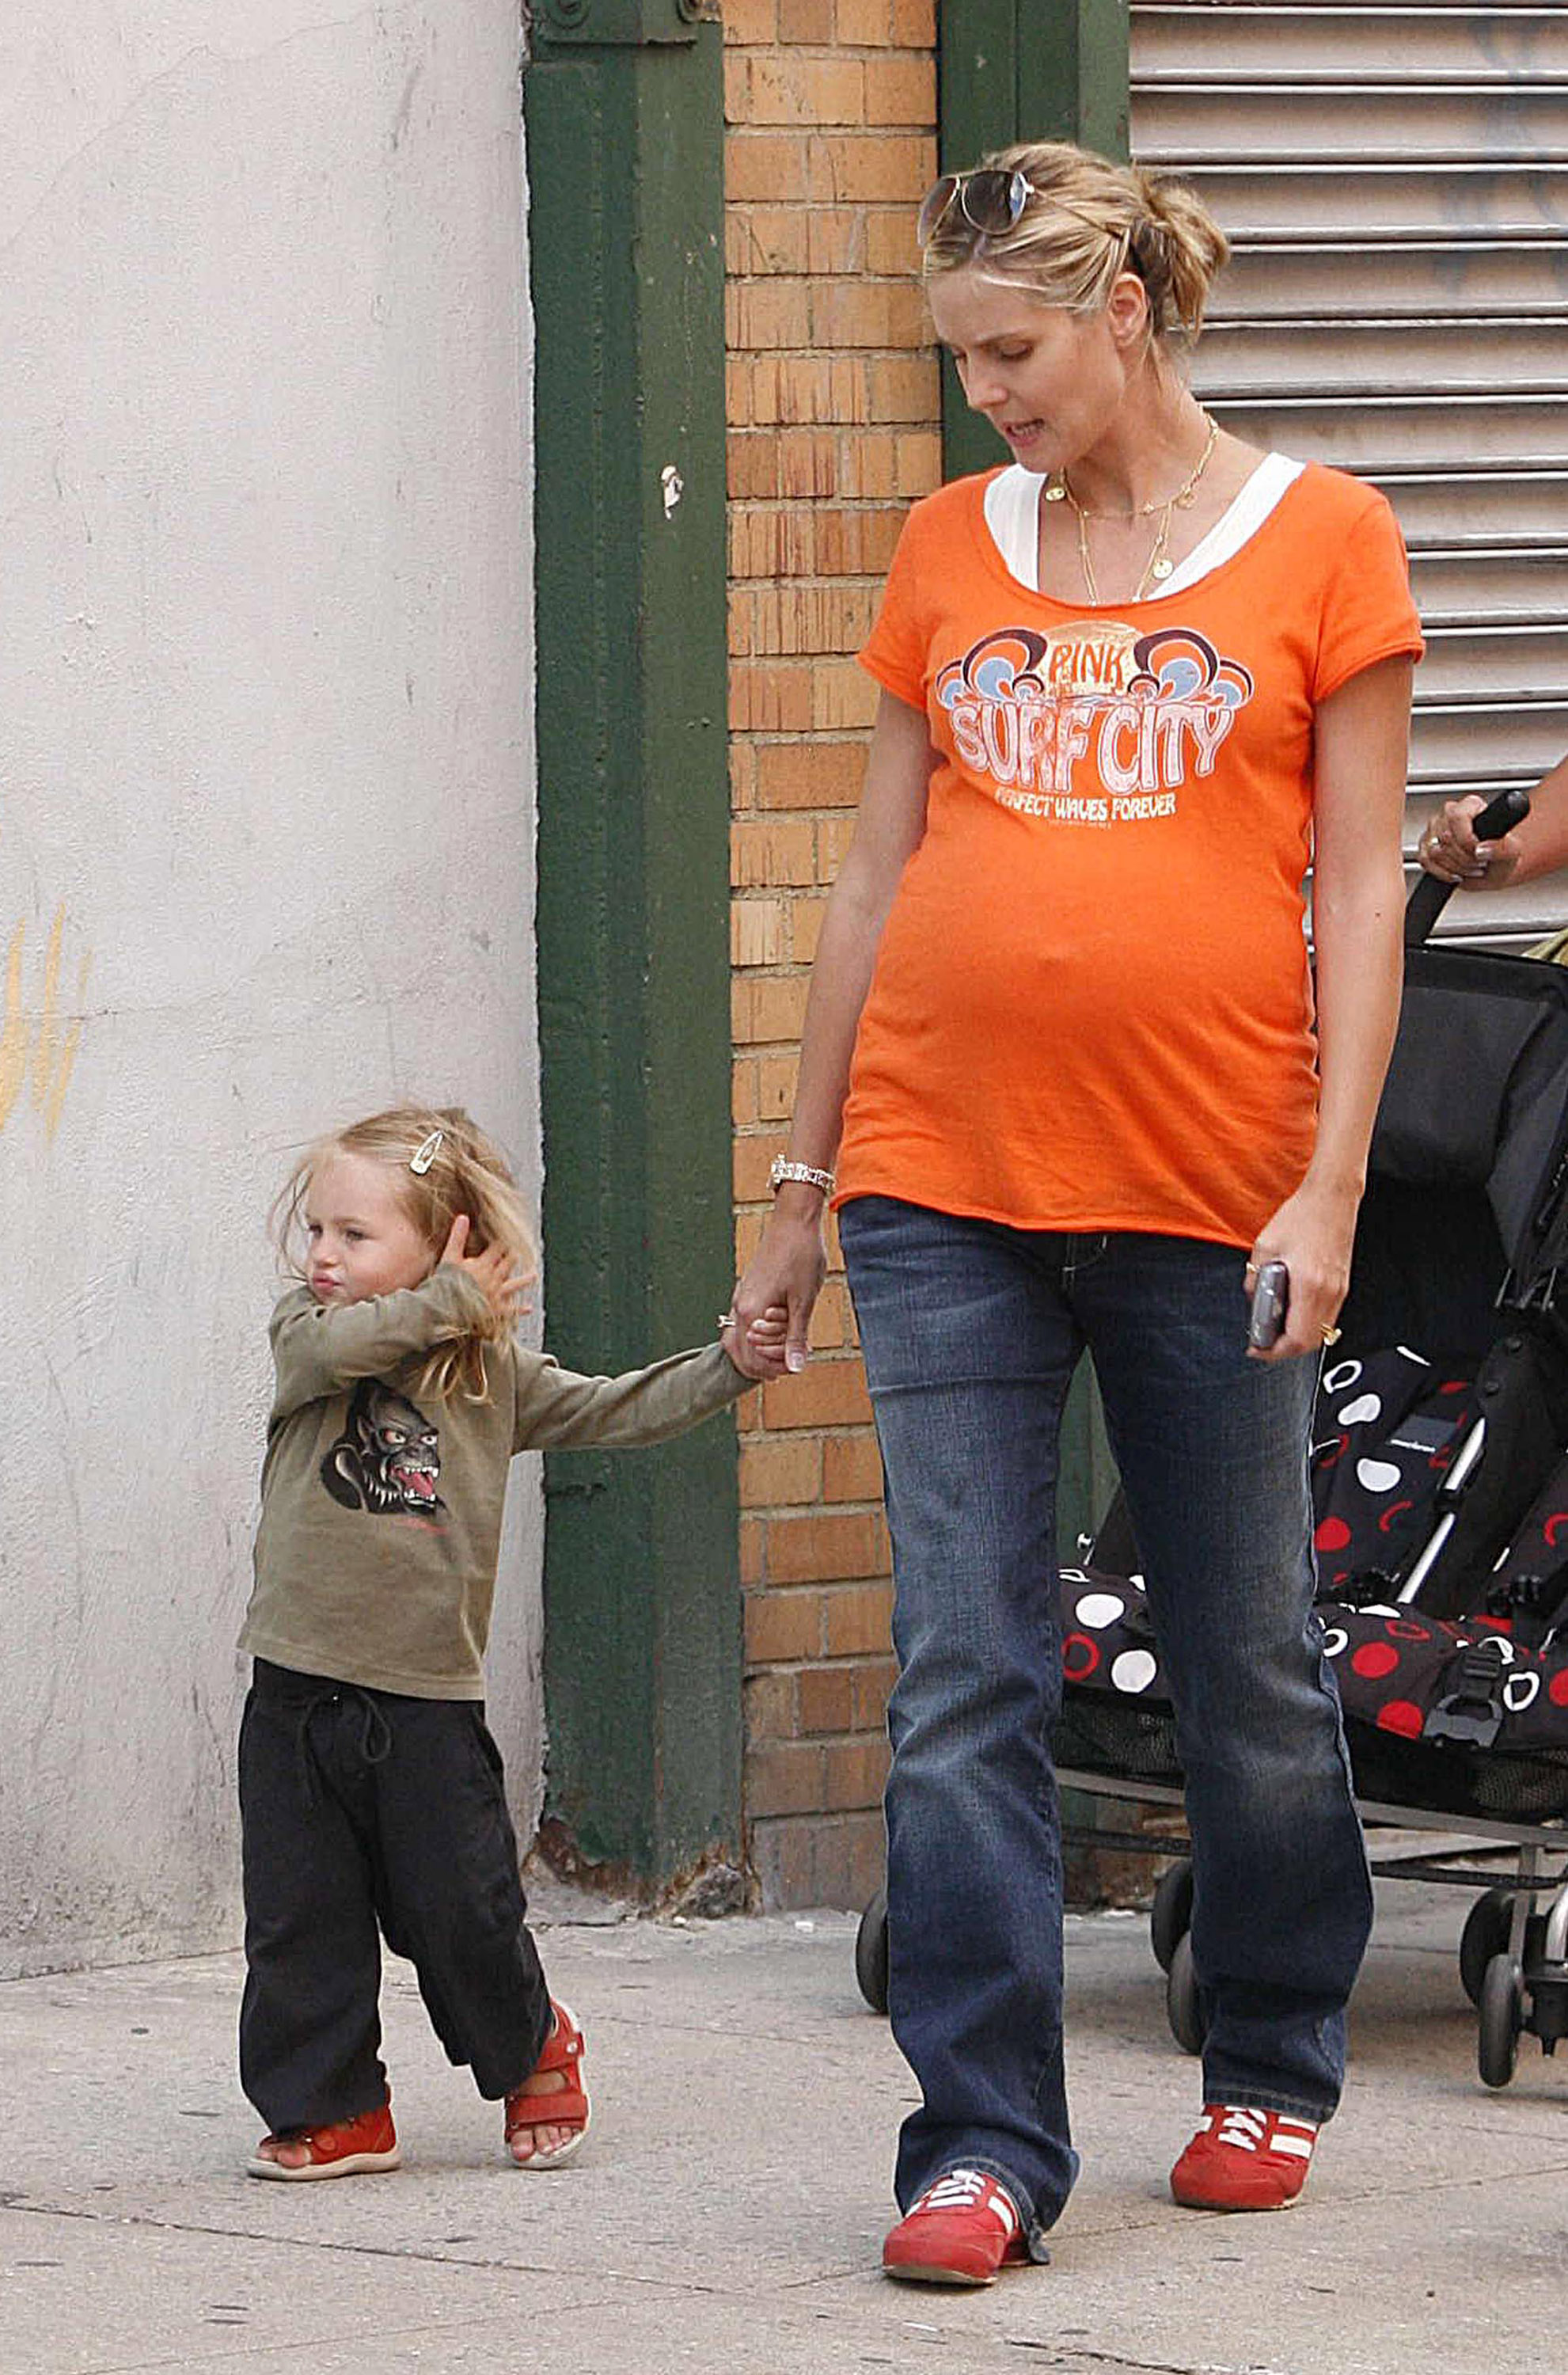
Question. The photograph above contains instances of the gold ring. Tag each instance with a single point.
(1331, 1335)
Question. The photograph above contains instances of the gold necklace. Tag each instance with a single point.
(1159, 565)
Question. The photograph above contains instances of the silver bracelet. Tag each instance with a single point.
(807, 1173)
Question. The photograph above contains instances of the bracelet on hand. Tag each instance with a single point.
(807, 1173)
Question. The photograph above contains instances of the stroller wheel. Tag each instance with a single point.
(1183, 2009)
(1485, 1933)
(871, 1953)
(1170, 1916)
(1502, 2018)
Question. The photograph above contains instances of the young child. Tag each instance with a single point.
(370, 1791)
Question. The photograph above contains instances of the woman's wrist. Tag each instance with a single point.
(1334, 1183)
(789, 1170)
(798, 1200)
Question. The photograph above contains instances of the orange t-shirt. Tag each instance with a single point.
(1091, 1007)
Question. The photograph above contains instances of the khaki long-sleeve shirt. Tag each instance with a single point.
(376, 1557)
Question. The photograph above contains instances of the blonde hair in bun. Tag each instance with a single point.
(1086, 220)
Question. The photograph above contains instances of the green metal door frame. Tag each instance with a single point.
(624, 113)
(1011, 70)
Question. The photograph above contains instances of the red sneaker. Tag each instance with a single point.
(347, 2148)
(959, 2232)
(1243, 2159)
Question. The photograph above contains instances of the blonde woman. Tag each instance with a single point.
(1061, 1049)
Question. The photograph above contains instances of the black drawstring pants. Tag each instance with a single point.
(361, 1809)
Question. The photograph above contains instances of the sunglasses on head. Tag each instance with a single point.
(990, 199)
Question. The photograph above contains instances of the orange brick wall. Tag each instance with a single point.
(833, 409)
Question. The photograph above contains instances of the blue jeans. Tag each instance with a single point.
(972, 1332)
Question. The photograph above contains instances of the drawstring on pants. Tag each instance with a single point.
(375, 1735)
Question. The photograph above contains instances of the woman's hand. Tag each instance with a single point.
(504, 1289)
(773, 1302)
(1448, 848)
(1312, 1233)
(764, 1336)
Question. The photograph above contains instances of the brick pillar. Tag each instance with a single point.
(835, 411)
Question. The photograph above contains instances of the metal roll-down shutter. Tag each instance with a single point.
(1395, 180)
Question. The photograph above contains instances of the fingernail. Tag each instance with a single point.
(794, 1358)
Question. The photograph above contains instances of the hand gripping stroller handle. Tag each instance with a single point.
(1430, 896)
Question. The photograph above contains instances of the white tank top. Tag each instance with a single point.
(1012, 514)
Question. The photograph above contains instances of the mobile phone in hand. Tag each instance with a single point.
(1270, 1301)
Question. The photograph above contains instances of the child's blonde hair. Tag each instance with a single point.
(460, 1170)
(1085, 220)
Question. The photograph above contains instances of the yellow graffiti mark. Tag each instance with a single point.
(46, 1037)
(14, 1037)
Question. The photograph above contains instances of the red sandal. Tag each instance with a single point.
(347, 2149)
(568, 2108)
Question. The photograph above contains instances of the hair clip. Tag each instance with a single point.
(423, 1156)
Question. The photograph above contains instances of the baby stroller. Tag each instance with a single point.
(1441, 1495)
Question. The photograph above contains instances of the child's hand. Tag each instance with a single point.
(764, 1341)
(504, 1289)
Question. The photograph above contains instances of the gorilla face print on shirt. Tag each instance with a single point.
(387, 1459)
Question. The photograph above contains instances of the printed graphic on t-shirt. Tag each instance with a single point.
(1091, 723)
(387, 1460)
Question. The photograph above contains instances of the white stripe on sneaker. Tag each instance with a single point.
(966, 2189)
(1242, 2128)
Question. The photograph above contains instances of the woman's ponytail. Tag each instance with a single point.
(1178, 251)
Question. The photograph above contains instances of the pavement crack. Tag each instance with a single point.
(252, 2347)
(1080, 2359)
(412, 2252)
(1326, 2204)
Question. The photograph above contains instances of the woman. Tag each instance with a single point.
(1449, 849)
(1061, 1016)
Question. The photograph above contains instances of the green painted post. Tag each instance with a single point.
(1072, 73)
(1012, 70)
(624, 113)
(977, 68)
(977, 43)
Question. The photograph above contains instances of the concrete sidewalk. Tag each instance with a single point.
(728, 2212)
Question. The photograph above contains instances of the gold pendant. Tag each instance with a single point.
(1055, 494)
(1161, 570)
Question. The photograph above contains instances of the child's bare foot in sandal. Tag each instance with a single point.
(347, 2149)
(546, 2117)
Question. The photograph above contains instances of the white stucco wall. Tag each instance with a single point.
(266, 787)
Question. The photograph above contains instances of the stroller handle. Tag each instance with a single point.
(1430, 896)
